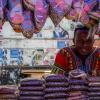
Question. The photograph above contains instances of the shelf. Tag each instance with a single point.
(37, 67)
(19, 38)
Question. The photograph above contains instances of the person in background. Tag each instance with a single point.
(82, 55)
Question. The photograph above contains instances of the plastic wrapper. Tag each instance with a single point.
(78, 88)
(56, 84)
(0, 25)
(30, 98)
(94, 98)
(29, 88)
(30, 4)
(77, 74)
(56, 78)
(57, 10)
(75, 10)
(95, 15)
(56, 89)
(40, 14)
(94, 94)
(68, 5)
(31, 93)
(56, 99)
(16, 27)
(56, 95)
(85, 20)
(76, 93)
(82, 97)
(95, 84)
(27, 25)
(73, 15)
(15, 10)
(7, 96)
(88, 6)
(94, 89)
(3, 4)
(8, 93)
(77, 82)
(94, 79)
(6, 90)
(31, 82)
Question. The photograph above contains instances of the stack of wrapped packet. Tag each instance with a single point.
(8, 93)
(31, 89)
(78, 85)
(94, 88)
(56, 87)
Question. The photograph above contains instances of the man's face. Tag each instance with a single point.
(83, 45)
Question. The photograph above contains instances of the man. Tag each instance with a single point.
(80, 56)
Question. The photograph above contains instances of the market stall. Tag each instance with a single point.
(27, 17)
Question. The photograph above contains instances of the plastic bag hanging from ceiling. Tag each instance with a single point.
(95, 23)
(16, 27)
(88, 7)
(15, 10)
(57, 10)
(3, 4)
(75, 10)
(40, 14)
(27, 25)
(30, 4)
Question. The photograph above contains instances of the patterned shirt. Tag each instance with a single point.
(67, 60)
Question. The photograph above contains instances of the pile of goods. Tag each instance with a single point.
(78, 85)
(8, 93)
(31, 89)
(94, 88)
(56, 87)
(29, 16)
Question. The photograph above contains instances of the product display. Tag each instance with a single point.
(80, 89)
(8, 93)
(55, 95)
(54, 84)
(31, 68)
(94, 88)
(75, 10)
(77, 82)
(56, 78)
(52, 88)
(31, 89)
(56, 87)
(31, 82)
